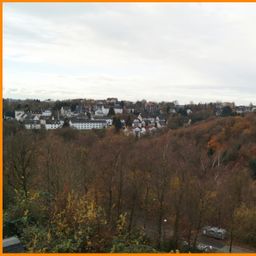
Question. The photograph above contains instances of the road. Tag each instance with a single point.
(221, 246)
(217, 245)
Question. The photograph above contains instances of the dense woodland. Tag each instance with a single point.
(102, 191)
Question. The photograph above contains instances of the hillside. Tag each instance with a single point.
(97, 191)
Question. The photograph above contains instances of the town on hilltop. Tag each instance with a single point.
(136, 118)
(121, 176)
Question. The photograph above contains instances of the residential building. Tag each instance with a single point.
(32, 124)
(65, 111)
(47, 113)
(83, 124)
(101, 111)
(118, 110)
(19, 115)
(53, 124)
(112, 100)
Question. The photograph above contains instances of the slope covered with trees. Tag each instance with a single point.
(101, 191)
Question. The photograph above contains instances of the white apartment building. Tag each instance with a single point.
(87, 124)
(53, 124)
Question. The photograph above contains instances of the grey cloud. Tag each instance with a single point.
(139, 50)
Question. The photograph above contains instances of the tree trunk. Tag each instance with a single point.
(109, 205)
(160, 224)
(231, 235)
(189, 236)
(160, 219)
(177, 220)
(24, 182)
(120, 193)
(134, 198)
(145, 208)
(198, 224)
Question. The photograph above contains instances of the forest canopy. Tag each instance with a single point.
(95, 191)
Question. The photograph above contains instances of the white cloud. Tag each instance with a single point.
(199, 52)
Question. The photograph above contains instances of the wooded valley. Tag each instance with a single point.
(101, 191)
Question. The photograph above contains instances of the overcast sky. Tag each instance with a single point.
(133, 51)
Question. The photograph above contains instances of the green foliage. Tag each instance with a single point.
(134, 248)
(245, 219)
(66, 123)
(24, 212)
(200, 115)
(210, 151)
(36, 239)
(117, 123)
(75, 228)
(9, 225)
(125, 241)
(128, 121)
(111, 112)
(252, 165)
(182, 112)
(226, 111)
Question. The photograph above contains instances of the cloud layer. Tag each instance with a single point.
(199, 52)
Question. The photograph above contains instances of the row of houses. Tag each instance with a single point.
(142, 126)
(237, 110)
(49, 121)
(65, 111)
(245, 109)
(104, 111)
(79, 124)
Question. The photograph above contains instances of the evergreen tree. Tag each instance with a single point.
(111, 111)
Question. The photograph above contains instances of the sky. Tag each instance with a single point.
(200, 52)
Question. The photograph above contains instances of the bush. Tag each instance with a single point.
(125, 241)
(177, 122)
(245, 218)
(252, 165)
